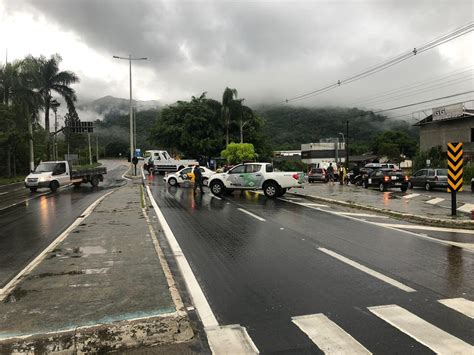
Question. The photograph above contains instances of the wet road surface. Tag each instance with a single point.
(262, 262)
(29, 225)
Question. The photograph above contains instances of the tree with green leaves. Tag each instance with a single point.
(51, 80)
(227, 99)
(393, 144)
(239, 152)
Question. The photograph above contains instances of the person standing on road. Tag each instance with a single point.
(342, 174)
(330, 172)
(197, 178)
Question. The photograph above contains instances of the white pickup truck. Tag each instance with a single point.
(53, 174)
(160, 161)
(255, 176)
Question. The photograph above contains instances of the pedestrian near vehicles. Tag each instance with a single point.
(330, 172)
(197, 178)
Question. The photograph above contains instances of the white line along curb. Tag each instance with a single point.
(8, 287)
(230, 339)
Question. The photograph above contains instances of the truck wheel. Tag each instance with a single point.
(172, 181)
(271, 189)
(281, 192)
(217, 187)
(95, 181)
(54, 185)
(33, 189)
(382, 187)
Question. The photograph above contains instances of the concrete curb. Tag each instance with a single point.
(437, 222)
(105, 337)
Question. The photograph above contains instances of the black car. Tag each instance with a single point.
(385, 179)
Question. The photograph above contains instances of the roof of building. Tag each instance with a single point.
(429, 119)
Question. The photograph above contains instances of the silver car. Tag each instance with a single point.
(429, 179)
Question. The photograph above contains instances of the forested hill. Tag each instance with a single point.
(288, 127)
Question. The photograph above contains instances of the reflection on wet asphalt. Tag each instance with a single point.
(27, 228)
(261, 273)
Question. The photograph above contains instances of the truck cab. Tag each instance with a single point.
(160, 161)
(50, 174)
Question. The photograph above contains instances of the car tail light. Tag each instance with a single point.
(406, 178)
(386, 178)
(296, 176)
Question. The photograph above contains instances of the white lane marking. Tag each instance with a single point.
(468, 207)
(230, 339)
(328, 336)
(435, 201)
(427, 334)
(466, 246)
(313, 204)
(251, 214)
(410, 196)
(13, 282)
(461, 305)
(219, 335)
(367, 270)
(428, 228)
(199, 300)
(143, 173)
(126, 178)
(3, 193)
(361, 214)
(24, 201)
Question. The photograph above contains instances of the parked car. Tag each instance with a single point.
(429, 179)
(255, 176)
(317, 174)
(385, 179)
(179, 177)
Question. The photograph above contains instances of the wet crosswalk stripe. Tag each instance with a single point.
(411, 196)
(367, 270)
(435, 201)
(468, 207)
(328, 336)
(460, 305)
(427, 334)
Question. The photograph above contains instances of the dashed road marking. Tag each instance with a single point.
(367, 270)
(328, 336)
(468, 207)
(3, 193)
(251, 214)
(410, 196)
(435, 201)
(432, 337)
(460, 305)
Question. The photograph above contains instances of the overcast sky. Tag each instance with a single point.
(267, 50)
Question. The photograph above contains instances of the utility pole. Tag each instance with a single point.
(129, 58)
(134, 129)
(347, 145)
(30, 140)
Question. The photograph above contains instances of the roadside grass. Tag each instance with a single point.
(11, 180)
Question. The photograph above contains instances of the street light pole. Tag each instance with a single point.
(129, 58)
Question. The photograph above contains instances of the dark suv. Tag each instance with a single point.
(317, 174)
(429, 179)
(385, 179)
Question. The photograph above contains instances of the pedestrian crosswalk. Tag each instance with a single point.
(331, 337)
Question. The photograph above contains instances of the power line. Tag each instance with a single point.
(387, 64)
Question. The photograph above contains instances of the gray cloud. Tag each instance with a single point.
(267, 49)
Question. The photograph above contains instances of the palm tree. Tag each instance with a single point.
(227, 98)
(51, 80)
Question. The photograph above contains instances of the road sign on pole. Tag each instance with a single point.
(455, 171)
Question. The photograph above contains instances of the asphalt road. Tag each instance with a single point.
(30, 222)
(261, 272)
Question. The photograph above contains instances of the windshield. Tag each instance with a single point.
(45, 167)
